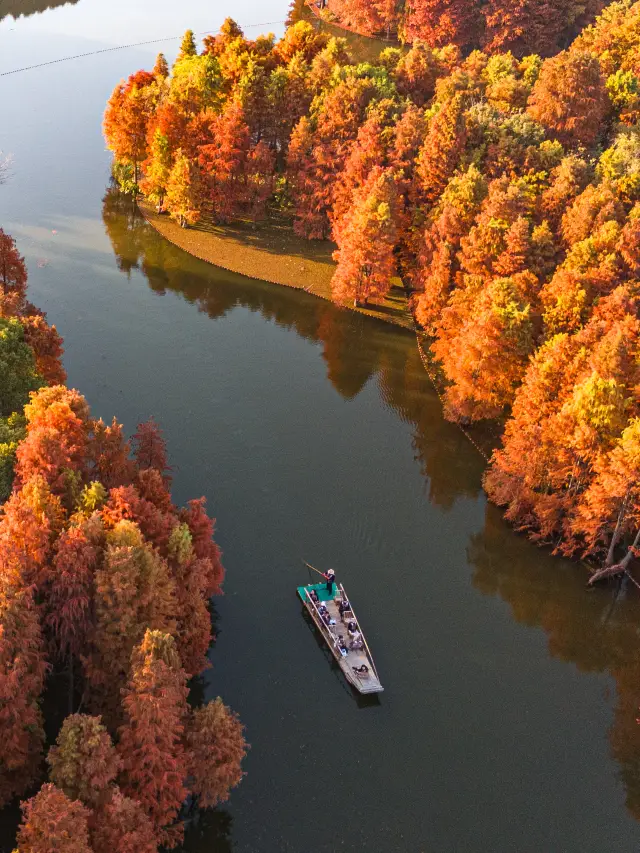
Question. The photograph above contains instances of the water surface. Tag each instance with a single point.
(508, 722)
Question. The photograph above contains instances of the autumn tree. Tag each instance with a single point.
(52, 822)
(570, 99)
(366, 240)
(133, 592)
(13, 277)
(149, 447)
(120, 825)
(183, 196)
(126, 121)
(216, 747)
(83, 763)
(150, 744)
(47, 348)
(441, 150)
(22, 674)
(441, 22)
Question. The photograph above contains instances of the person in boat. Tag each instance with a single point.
(344, 651)
(352, 627)
(361, 669)
(313, 595)
(344, 605)
(357, 642)
(330, 577)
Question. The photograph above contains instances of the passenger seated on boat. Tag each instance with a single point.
(356, 641)
(344, 651)
(344, 605)
(314, 596)
(361, 670)
(353, 627)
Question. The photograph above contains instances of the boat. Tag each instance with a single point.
(336, 635)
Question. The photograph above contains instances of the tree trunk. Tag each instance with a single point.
(616, 533)
(618, 568)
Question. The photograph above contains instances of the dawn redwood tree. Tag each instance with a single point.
(109, 455)
(366, 242)
(183, 197)
(133, 592)
(609, 511)
(441, 22)
(57, 435)
(440, 152)
(216, 748)
(22, 673)
(201, 527)
(47, 348)
(70, 599)
(525, 26)
(150, 448)
(368, 151)
(127, 117)
(13, 277)
(486, 356)
(51, 822)
(223, 162)
(150, 743)
(570, 99)
(119, 825)
(83, 763)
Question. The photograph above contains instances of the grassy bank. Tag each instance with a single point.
(271, 253)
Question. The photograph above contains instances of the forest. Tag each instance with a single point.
(520, 26)
(504, 191)
(104, 611)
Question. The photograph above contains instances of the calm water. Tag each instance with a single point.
(508, 723)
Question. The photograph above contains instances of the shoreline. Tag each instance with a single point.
(272, 254)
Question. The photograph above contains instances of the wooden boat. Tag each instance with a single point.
(349, 659)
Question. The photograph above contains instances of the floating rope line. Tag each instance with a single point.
(121, 47)
(425, 361)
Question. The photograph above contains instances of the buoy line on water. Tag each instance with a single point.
(124, 47)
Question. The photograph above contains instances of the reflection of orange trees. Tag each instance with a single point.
(596, 632)
(355, 350)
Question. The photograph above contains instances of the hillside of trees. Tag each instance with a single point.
(104, 592)
(521, 26)
(506, 194)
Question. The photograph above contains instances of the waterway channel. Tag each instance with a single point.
(509, 717)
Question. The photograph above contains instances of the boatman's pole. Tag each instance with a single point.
(314, 568)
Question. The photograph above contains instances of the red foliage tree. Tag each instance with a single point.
(441, 22)
(150, 448)
(52, 822)
(56, 442)
(22, 673)
(570, 99)
(441, 150)
(366, 242)
(120, 826)
(127, 118)
(69, 600)
(223, 162)
(216, 747)
(205, 549)
(47, 348)
(109, 455)
(13, 277)
(155, 703)
(83, 763)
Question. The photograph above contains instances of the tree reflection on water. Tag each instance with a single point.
(597, 630)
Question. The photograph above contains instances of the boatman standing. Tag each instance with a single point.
(330, 576)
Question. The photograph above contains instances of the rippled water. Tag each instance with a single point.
(508, 721)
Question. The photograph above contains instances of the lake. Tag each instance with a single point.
(508, 722)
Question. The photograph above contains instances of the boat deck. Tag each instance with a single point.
(354, 658)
